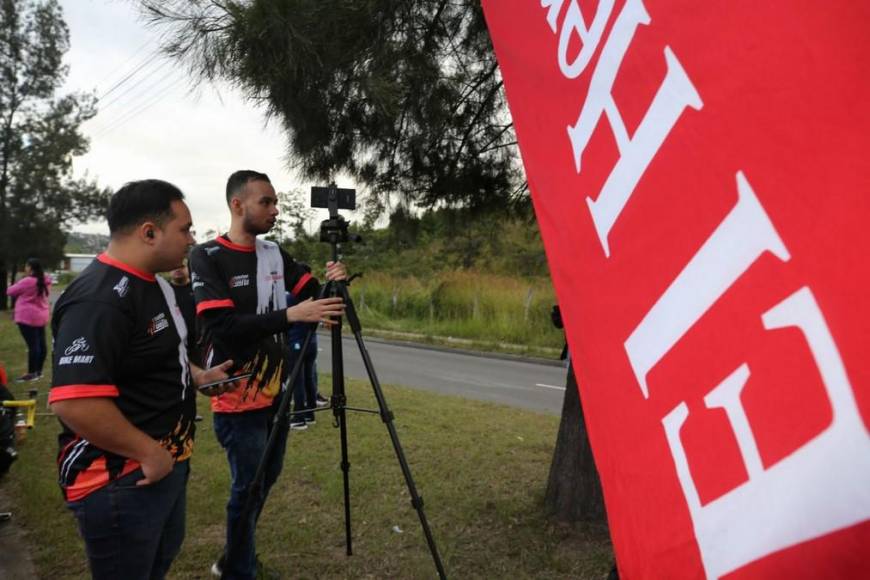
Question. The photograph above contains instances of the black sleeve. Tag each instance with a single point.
(210, 290)
(298, 279)
(230, 327)
(88, 351)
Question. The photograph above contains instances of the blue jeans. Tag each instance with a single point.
(243, 436)
(134, 531)
(34, 337)
(305, 387)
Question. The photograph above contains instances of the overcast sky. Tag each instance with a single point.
(150, 124)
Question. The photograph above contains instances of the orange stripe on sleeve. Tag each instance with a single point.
(212, 304)
(65, 392)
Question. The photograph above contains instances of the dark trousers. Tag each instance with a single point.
(134, 532)
(34, 336)
(305, 387)
(243, 436)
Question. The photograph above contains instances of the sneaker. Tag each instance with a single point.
(311, 421)
(217, 569)
(321, 401)
(299, 426)
(28, 378)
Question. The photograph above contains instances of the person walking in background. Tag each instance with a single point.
(305, 388)
(31, 315)
(180, 280)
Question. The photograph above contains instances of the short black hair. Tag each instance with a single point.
(239, 179)
(141, 201)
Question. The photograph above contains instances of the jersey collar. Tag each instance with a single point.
(109, 261)
(225, 242)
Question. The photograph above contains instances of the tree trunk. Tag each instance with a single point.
(573, 487)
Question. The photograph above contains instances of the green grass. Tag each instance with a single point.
(481, 469)
(484, 308)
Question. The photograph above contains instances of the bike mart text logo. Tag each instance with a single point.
(78, 345)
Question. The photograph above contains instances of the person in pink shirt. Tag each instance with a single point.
(31, 315)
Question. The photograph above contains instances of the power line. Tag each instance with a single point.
(134, 101)
(136, 112)
(126, 62)
(118, 84)
(134, 85)
(128, 116)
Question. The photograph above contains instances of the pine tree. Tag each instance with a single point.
(403, 96)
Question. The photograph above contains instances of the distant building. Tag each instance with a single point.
(75, 263)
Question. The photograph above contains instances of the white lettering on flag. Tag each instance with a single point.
(675, 94)
(820, 487)
(744, 234)
(574, 23)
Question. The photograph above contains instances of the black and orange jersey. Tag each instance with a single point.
(116, 335)
(240, 297)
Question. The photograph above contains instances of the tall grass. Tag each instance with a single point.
(463, 304)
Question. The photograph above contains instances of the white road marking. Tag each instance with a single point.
(549, 386)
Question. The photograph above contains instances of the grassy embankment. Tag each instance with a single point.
(482, 311)
(480, 467)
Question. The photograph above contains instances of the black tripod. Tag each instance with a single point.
(334, 231)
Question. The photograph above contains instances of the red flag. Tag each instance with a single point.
(700, 175)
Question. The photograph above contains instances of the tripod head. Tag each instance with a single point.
(334, 230)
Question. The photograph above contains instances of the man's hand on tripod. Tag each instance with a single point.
(325, 310)
(336, 271)
(311, 310)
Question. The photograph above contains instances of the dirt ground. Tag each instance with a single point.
(15, 561)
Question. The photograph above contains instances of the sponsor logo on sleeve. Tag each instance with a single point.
(240, 280)
(79, 345)
(122, 287)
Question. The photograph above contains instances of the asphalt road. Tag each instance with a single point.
(517, 383)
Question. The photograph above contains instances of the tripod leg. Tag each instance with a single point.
(387, 418)
(339, 403)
